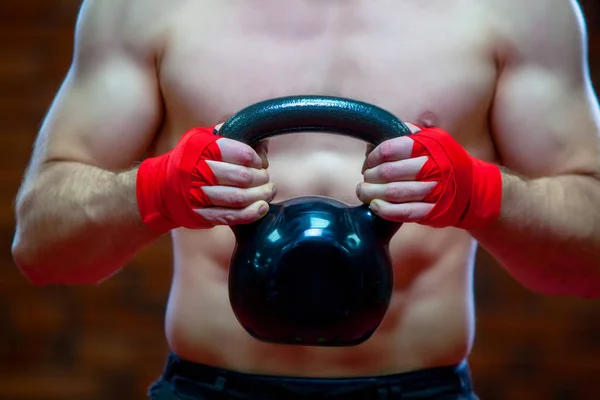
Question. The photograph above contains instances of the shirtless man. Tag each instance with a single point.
(508, 79)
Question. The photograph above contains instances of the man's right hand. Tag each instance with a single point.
(206, 180)
(243, 191)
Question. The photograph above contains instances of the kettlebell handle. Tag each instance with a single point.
(284, 115)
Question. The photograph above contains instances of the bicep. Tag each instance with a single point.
(107, 111)
(545, 126)
(545, 117)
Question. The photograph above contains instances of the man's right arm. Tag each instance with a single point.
(77, 213)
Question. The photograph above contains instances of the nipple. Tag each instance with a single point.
(427, 119)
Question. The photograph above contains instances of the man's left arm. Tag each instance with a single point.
(538, 214)
(546, 126)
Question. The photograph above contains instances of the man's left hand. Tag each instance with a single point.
(429, 178)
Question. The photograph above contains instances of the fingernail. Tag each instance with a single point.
(218, 127)
(263, 210)
(374, 206)
(358, 191)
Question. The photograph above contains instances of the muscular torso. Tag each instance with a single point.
(430, 62)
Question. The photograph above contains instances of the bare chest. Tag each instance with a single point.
(429, 64)
(414, 61)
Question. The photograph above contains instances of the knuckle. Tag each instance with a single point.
(394, 192)
(387, 171)
(225, 218)
(209, 216)
(386, 150)
(410, 214)
(237, 199)
(410, 193)
(244, 176)
(246, 155)
(403, 214)
(413, 213)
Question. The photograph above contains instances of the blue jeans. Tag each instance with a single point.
(183, 380)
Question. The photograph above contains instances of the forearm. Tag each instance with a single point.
(548, 234)
(77, 224)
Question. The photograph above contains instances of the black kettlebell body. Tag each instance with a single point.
(314, 271)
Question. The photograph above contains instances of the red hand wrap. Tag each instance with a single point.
(169, 187)
(469, 191)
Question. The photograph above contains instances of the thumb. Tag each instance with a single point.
(413, 128)
(262, 149)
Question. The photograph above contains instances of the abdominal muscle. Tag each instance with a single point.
(430, 321)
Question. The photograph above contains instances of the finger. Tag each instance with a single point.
(406, 212)
(233, 216)
(232, 197)
(239, 153)
(404, 170)
(368, 151)
(262, 149)
(413, 129)
(396, 192)
(390, 150)
(373, 160)
(238, 176)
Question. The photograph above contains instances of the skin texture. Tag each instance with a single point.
(503, 93)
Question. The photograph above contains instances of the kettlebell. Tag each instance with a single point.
(313, 271)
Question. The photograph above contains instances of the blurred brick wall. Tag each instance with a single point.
(106, 342)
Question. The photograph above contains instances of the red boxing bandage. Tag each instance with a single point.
(169, 187)
(469, 191)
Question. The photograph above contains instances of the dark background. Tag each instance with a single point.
(107, 342)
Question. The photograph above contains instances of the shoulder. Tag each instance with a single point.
(544, 30)
(117, 26)
(535, 13)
